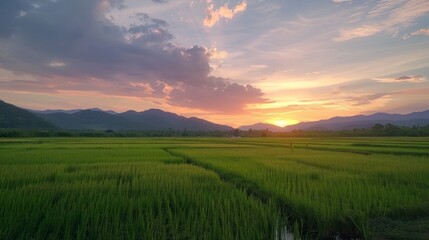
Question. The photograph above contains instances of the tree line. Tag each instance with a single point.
(378, 130)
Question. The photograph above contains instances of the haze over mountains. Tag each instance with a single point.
(155, 119)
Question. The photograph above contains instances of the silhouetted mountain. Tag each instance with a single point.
(70, 111)
(15, 117)
(153, 119)
(362, 121)
(262, 126)
(89, 119)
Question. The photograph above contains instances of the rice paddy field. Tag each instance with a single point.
(214, 188)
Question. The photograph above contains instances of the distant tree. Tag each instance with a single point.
(378, 127)
(392, 130)
(236, 132)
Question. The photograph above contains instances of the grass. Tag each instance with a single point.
(214, 188)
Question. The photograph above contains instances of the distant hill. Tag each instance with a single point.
(262, 126)
(89, 120)
(15, 117)
(153, 119)
(70, 111)
(362, 121)
(156, 119)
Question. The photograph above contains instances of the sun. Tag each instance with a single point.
(282, 122)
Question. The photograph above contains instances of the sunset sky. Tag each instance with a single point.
(231, 62)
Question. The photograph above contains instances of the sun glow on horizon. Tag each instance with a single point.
(283, 122)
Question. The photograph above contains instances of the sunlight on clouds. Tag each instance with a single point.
(215, 15)
(214, 53)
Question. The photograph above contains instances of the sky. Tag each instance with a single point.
(233, 62)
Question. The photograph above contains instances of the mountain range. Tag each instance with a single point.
(155, 119)
(70, 111)
(364, 121)
(152, 119)
(97, 119)
(351, 122)
(14, 117)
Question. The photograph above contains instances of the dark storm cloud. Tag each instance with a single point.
(71, 44)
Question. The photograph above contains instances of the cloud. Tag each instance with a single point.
(64, 52)
(409, 79)
(217, 92)
(423, 32)
(215, 54)
(368, 99)
(215, 15)
(160, 1)
(390, 16)
(364, 31)
(57, 64)
(341, 1)
(420, 32)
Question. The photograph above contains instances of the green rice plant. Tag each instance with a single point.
(213, 188)
(116, 193)
(326, 187)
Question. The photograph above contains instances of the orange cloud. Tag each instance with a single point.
(214, 15)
